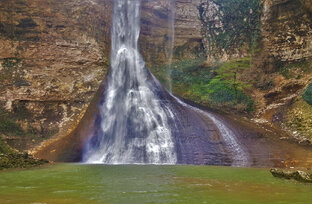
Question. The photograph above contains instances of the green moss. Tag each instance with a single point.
(10, 62)
(224, 92)
(12, 73)
(16, 160)
(9, 127)
(307, 94)
(241, 22)
(209, 85)
(4, 148)
(299, 118)
(231, 71)
(295, 69)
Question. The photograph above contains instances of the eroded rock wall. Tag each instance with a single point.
(278, 29)
(286, 31)
(53, 56)
(155, 30)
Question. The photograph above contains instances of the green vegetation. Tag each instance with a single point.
(19, 125)
(4, 148)
(10, 62)
(8, 157)
(241, 22)
(228, 77)
(12, 73)
(209, 85)
(16, 160)
(299, 118)
(307, 94)
(9, 127)
(296, 69)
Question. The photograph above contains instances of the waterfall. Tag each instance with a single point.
(171, 39)
(133, 123)
(141, 123)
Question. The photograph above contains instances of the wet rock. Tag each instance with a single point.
(297, 175)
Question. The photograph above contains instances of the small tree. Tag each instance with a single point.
(230, 73)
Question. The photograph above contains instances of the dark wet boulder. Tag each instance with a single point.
(297, 175)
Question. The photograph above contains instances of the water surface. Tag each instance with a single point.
(73, 183)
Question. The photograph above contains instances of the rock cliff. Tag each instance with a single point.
(54, 55)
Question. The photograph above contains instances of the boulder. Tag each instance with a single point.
(297, 175)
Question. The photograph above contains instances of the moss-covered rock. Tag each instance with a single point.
(307, 94)
(17, 160)
(12, 159)
(4, 148)
(297, 175)
(299, 119)
(295, 70)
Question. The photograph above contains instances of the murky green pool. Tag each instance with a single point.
(73, 183)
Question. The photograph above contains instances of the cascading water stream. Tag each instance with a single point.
(139, 122)
(134, 125)
(239, 155)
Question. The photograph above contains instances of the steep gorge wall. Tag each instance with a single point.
(276, 37)
(54, 54)
(286, 30)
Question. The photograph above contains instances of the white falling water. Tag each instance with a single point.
(136, 115)
(134, 125)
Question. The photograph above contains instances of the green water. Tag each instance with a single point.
(68, 183)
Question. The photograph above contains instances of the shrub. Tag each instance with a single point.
(10, 127)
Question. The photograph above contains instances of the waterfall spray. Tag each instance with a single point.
(171, 39)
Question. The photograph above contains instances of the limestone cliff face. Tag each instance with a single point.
(155, 30)
(230, 28)
(286, 30)
(53, 56)
(283, 66)
(276, 35)
(235, 29)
